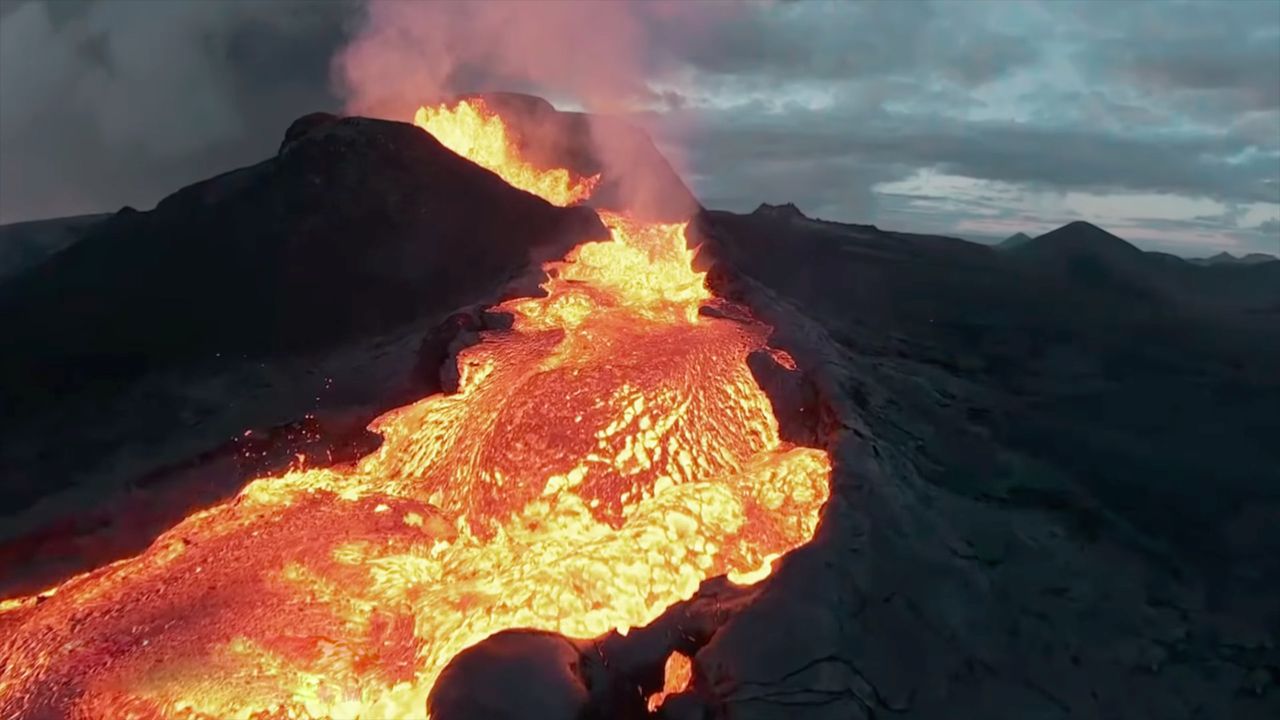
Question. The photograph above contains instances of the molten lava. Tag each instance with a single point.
(600, 459)
(676, 675)
(475, 132)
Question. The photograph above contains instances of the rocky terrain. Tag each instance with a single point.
(1056, 490)
(355, 230)
(1055, 497)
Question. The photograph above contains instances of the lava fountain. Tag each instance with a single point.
(601, 458)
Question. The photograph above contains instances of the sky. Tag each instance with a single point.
(1159, 121)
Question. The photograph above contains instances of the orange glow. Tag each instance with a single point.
(475, 132)
(676, 676)
(782, 357)
(599, 460)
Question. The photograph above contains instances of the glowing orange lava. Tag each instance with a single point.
(600, 459)
(676, 675)
(475, 132)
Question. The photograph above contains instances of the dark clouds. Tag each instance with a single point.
(1129, 99)
(837, 42)
(925, 116)
(110, 103)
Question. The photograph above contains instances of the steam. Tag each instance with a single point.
(606, 57)
(108, 103)
(593, 53)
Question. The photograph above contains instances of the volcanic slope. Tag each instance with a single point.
(354, 231)
(600, 459)
(1050, 498)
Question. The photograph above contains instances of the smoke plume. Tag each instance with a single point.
(610, 58)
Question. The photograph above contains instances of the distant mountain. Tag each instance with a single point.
(1013, 241)
(24, 244)
(1255, 258)
(782, 212)
(1080, 236)
(787, 214)
(1226, 258)
(1086, 255)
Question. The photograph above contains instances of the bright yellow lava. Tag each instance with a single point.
(475, 132)
(600, 459)
(676, 675)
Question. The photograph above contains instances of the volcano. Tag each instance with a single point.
(573, 447)
(598, 459)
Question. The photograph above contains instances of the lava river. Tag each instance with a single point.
(600, 459)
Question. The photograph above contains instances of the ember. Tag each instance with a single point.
(675, 678)
(600, 459)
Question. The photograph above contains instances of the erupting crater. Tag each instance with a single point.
(599, 460)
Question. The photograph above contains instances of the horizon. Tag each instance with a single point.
(1157, 121)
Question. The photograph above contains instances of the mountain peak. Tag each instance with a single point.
(783, 211)
(1013, 241)
(1226, 258)
(1079, 236)
(1257, 257)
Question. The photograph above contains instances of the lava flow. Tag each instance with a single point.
(599, 460)
(475, 132)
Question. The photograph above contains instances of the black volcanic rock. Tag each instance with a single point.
(306, 124)
(546, 676)
(1049, 498)
(356, 227)
(291, 286)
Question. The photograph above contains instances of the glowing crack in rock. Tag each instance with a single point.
(676, 675)
(477, 133)
(600, 459)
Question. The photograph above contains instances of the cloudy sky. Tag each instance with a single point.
(1159, 121)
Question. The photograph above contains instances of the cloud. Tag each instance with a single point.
(833, 42)
(601, 55)
(819, 103)
(1039, 157)
(107, 103)
(1130, 100)
(1224, 53)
